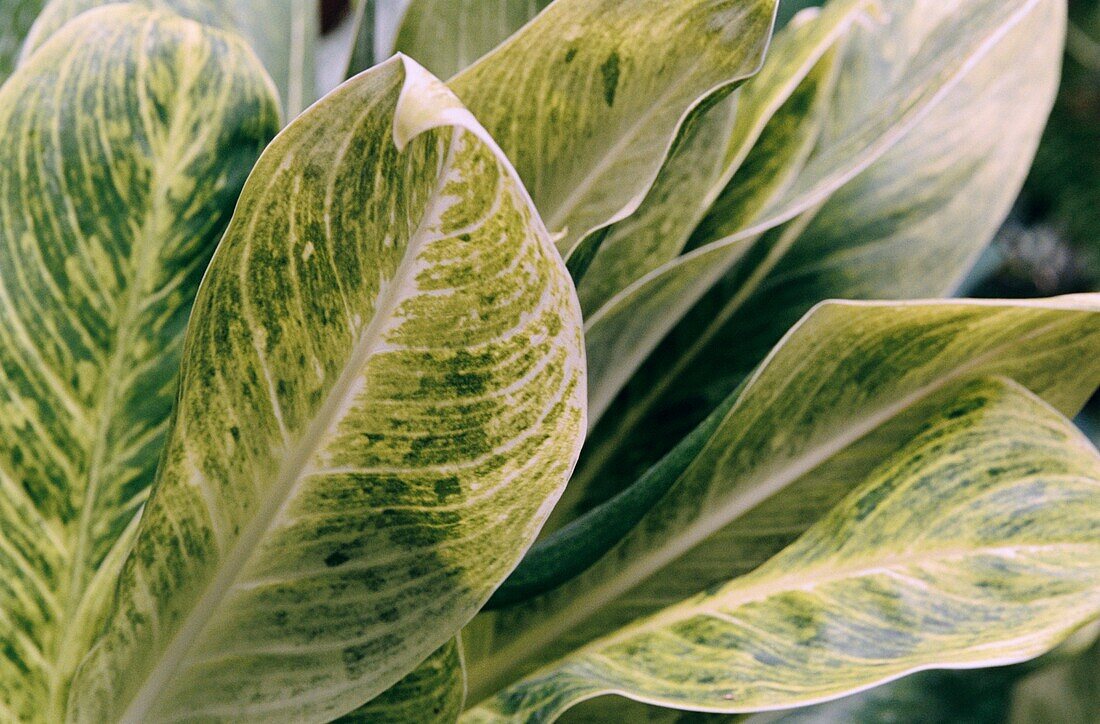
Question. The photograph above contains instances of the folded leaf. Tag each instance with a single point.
(589, 122)
(973, 544)
(713, 146)
(915, 184)
(123, 145)
(434, 692)
(446, 36)
(381, 398)
(282, 33)
(850, 384)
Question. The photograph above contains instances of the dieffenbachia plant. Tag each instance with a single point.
(285, 412)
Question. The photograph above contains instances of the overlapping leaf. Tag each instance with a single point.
(972, 544)
(381, 398)
(849, 385)
(125, 141)
(433, 693)
(587, 98)
(915, 184)
(18, 16)
(282, 33)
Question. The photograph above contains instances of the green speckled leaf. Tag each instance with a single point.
(847, 387)
(587, 98)
(123, 145)
(934, 122)
(975, 543)
(433, 693)
(711, 150)
(283, 34)
(446, 36)
(382, 395)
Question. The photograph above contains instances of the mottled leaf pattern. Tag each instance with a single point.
(849, 385)
(587, 98)
(125, 141)
(973, 544)
(914, 185)
(282, 33)
(381, 398)
(446, 36)
(433, 693)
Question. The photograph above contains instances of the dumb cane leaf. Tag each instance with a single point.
(973, 544)
(126, 139)
(434, 692)
(588, 97)
(765, 118)
(849, 385)
(914, 183)
(381, 398)
(282, 33)
(446, 36)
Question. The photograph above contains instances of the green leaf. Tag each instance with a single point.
(588, 121)
(18, 16)
(283, 34)
(125, 141)
(447, 36)
(714, 145)
(849, 385)
(914, 185)
(434, 692)
(973, 544)
(382, 395)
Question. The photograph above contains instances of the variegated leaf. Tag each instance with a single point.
(713, 150)
(283, 34)
(382, 395)
(848, 386)
(433, 693)
(447, 36)
(587, 98)
(916, 183)
(125, 141)
(973, 544)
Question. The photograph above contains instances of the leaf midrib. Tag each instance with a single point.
(142, 261)
(290, 473)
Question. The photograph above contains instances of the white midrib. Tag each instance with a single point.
(291, 472)
(143, 254)
(498, 666)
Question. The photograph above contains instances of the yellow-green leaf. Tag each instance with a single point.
(849, 385)
(975, 543)
(446, 36)
(382, 395)
(433, 693)
(910, 181)
(123, 145)
(587, 98)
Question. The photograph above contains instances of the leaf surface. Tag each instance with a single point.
(283, 34)
(126, 140)
(587, 98)
(973, 544)
(910, 182)
(434, 692)
(447, 36)
(381, 398)
(849, 385)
